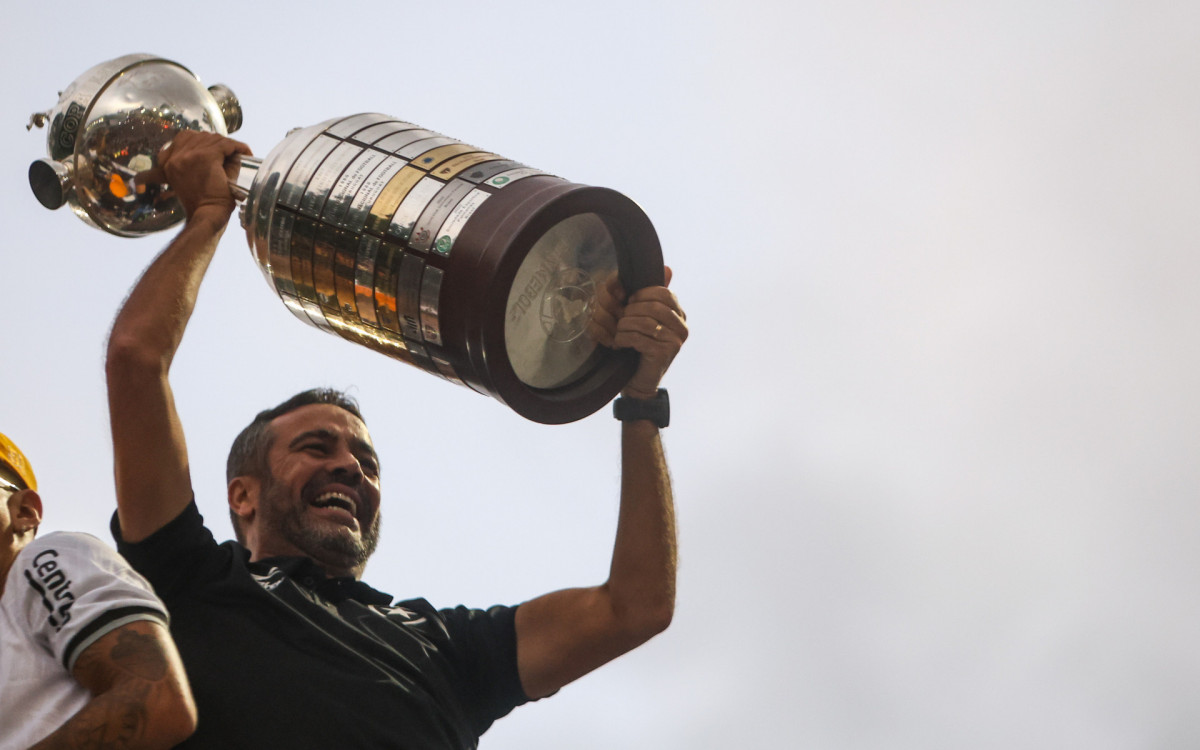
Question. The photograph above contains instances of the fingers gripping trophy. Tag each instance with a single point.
(456, 260)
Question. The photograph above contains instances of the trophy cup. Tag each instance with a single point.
(471, 266)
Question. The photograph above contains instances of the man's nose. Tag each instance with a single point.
(346, 465)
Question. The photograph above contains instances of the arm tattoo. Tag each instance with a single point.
(116, 729)
(139, 655)
(103, 725)
(123, 681)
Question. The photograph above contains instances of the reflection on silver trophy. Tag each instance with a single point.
(454, 259)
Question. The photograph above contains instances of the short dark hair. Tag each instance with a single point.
(248, 454)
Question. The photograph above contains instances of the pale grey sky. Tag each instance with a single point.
(934, 434)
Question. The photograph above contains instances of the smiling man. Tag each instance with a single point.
(281, 458)
(285, 646)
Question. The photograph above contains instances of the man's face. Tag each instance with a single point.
(7, 491)
(8, 547)
(19, 514)
(321, 499)
(9, 487)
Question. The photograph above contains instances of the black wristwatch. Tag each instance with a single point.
(657, 409)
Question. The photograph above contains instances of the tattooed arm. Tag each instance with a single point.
(141, 699)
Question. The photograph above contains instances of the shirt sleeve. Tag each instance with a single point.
(485, 654)
(72, 589)
(173, 557)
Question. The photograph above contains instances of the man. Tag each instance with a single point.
(284, 645)
(85, 656)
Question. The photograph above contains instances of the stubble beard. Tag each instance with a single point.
(284, 517)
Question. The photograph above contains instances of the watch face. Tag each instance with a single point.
(552, 300)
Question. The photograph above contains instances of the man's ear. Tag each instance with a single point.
(243, 496)
(26, 511)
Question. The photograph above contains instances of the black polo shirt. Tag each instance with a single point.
(279, 656)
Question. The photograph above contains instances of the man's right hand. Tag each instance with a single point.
(199, 167)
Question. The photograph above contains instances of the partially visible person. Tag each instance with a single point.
(86, 660)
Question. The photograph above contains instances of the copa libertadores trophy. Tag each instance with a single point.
(451, 258)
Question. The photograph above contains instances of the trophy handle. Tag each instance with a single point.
(228, 103)
(240, 187)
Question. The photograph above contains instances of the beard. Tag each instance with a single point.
(284, 517)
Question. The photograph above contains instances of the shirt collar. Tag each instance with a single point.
(307, 573)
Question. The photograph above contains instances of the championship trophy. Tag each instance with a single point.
(456, 260)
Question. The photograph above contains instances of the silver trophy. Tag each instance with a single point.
(471, 266)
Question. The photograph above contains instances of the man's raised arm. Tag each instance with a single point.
(566, 634)
(151, 464)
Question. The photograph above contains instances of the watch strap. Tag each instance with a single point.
(657, 409)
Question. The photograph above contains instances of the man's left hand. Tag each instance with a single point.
(650, 322)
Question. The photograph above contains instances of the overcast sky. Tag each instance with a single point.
(934, 435)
